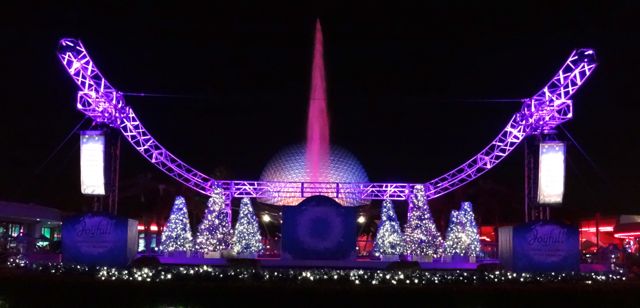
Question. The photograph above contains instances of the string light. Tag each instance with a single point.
(246, 237)
(421, 238)
(17, 261)
(389, 239)
(214, 232)
(359, 277)
(462, 234)
(176, 236)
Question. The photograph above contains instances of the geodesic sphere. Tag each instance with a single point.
(289, 165)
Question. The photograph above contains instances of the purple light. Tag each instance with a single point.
(542, 112)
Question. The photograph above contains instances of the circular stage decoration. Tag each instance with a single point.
(319, 228)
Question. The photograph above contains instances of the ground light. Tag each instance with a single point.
(266, 218)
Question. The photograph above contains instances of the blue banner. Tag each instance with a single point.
(319, 228)
(99, 239)
(544, 246)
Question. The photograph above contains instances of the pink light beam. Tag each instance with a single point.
(317, 153)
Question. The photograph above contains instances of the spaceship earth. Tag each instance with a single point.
(289, 165)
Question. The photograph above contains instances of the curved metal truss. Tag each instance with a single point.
(540, 113)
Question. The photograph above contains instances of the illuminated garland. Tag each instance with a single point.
(214, 232)
(310, 276)
(176, 235)
(17, 261)
(246, 236)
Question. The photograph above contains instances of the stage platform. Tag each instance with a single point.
(340, 264)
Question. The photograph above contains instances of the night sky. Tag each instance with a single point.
(413, 92)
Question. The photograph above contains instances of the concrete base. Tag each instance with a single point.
(212, 254)
(422, 258)
(389, 258)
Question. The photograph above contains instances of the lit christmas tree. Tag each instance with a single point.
(246, 237)
(462, 235)
(214, 232)
(454, 243)
(470, 229)
(421, 238)
(176, 235)
(389, 236)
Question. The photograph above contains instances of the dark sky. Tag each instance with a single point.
(406, 86)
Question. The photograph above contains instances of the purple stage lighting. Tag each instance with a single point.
(540, 113)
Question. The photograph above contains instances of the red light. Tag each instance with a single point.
(140, 227)
(153, 227)
(602, 229)
(627, 235)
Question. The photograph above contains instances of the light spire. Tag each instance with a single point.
(317, 154)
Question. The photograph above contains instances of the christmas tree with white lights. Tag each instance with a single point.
(454, 243)
(176, 235)
(421, 238)
(470, 229)
(388, 240)
(214, 232)
(246, 237)
(462, 235)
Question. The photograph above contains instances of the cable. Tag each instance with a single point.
(490, 100)
(162, 95)
(591, 162)
(60, 146)
(476, 100)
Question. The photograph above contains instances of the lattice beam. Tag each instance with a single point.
(542, 112)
